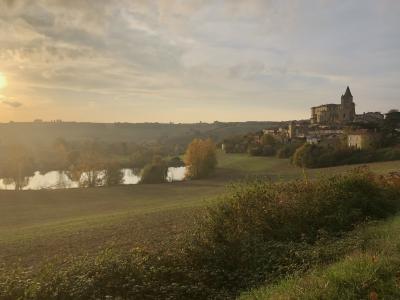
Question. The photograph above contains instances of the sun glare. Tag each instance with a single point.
(3, 80)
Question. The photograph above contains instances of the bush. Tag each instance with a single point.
(262, 230)
(156, 172)
(288, 150)
(316, 156)
(307, 156)
(110, 275)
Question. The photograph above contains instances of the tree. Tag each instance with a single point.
(268, 139)
(200, 158)
(113, 174)
(176, 162)
(141, 157)
(88, 167)
(17, 165)
(307, 156)
(155, 172)
(390, 129)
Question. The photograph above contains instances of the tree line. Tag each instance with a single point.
(94, 163)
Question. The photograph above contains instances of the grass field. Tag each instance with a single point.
(36, 225)
(40, 225)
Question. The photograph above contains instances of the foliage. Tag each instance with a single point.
(268, 140)
(141, 158)
(89, 166)
(288, 150)
(255, 144)
(390, 128)
(244, 143)
(316, 156)
(156, 172)
(369, 272)
(113, 174)
(17, 165)
(260, 231)
(176, 162)
(200, 158)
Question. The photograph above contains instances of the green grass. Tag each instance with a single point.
(372, 269)
(36, 225)
(243, 164)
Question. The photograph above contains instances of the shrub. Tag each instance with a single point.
(307, 156)
(288, 150)
(109, 275)
(156, 172)
(316, 156)
(261, 231)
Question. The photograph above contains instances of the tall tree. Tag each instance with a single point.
(89, 166)
(200, 158)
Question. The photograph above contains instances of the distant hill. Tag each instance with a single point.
(47, 132)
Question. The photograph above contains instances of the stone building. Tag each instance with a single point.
(369, 117)
(359, 141)
(363, 139)
(332, 114)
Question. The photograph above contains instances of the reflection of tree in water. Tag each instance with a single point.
(7, 182)
(16, 165)
(63, 180)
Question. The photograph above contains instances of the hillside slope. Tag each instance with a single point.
(371, 271)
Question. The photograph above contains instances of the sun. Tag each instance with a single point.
(3, 81)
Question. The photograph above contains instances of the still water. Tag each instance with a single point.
(59, 180)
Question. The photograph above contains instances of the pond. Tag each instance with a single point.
(59, 180)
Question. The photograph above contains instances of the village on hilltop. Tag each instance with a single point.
(329, 125)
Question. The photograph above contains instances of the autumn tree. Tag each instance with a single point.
(89, 166)
(200, 158)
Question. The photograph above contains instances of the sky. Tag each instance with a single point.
(190, 61)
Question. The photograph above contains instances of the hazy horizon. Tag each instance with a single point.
(191, 61)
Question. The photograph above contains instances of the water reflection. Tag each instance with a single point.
(60, 180)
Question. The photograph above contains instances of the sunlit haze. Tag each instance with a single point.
(190, 61)
(3, 81)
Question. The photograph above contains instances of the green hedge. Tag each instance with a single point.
(315, 156)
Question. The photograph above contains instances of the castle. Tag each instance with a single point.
(332, 114)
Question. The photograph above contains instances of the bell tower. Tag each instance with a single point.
(347, 98)
(348, 108)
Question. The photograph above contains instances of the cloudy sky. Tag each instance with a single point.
(186, 61)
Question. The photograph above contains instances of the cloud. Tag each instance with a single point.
(195, 54)
(14, 104)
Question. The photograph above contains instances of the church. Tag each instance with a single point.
(332, 114)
